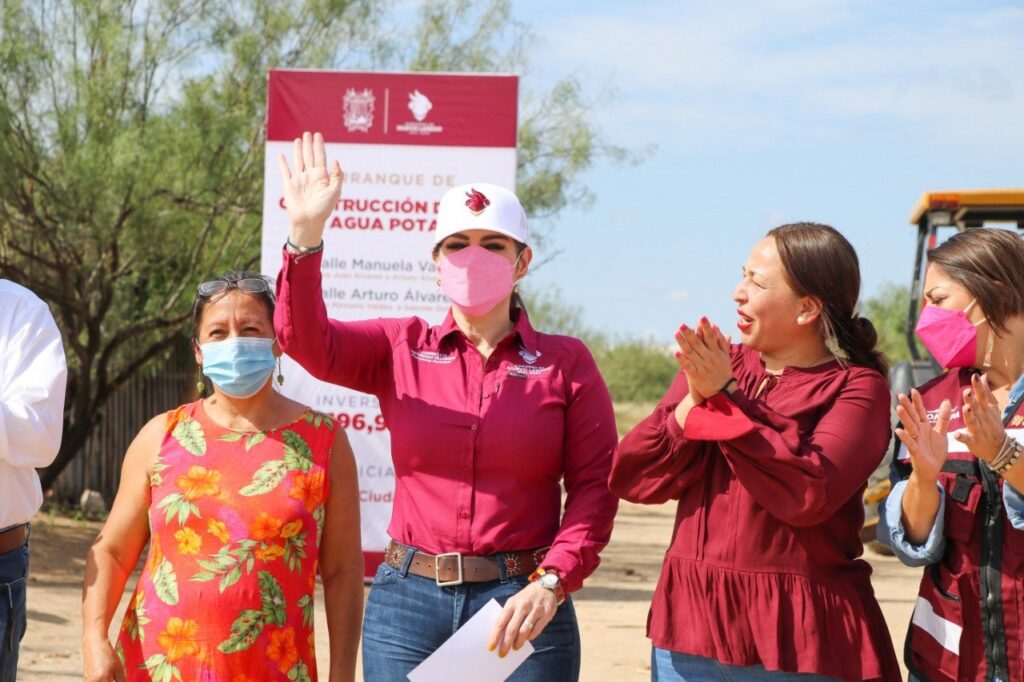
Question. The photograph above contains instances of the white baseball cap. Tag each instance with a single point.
(481, 206)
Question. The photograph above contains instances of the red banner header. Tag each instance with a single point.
(362, 107)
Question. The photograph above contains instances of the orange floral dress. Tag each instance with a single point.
(226, 593)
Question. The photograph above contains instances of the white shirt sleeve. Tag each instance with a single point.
(33, 378)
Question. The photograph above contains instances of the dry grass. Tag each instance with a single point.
(628, 415)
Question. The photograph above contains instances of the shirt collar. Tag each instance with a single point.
(523, 328)
(1016, 392)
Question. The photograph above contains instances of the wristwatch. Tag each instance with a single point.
(550, 580)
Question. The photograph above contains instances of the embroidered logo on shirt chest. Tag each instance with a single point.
(527, 356)
(433, 357)
(523, 371)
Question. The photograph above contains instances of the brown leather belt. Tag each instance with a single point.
(13, 538)
(453, 568)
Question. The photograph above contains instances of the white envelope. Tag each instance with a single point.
(465, 658)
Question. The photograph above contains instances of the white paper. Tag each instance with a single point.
(465, 658)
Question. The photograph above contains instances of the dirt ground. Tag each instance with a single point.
(612, 607)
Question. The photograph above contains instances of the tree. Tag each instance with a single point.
(131, 153)
(635, 370)
(887, 310)
(558, 137)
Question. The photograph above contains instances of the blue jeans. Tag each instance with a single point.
(671, 666)
(13, 611)
(408, 617)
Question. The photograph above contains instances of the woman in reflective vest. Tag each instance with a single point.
(955, 507)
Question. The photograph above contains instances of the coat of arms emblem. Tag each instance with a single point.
(419, 104)
(359, 110)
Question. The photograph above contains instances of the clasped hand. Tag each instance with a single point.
(704, 357)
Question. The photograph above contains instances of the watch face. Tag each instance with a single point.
(549, 581)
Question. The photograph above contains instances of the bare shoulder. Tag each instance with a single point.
(291, 409)
(143, 451)
(341, 445)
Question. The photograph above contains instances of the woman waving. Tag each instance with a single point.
(487, 417)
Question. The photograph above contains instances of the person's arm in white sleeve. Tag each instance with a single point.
(33, 378)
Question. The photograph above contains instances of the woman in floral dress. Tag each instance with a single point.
(242, 496)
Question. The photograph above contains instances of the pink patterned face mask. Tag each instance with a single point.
(475, 279)
(949, 336)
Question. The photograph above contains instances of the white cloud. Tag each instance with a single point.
(677, 296)
(752, 73)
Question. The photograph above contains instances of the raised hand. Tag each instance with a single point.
(926, 443)
(704, 356)
(310, 192)
(985, 433)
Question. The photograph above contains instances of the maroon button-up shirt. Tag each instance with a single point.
(479, 446)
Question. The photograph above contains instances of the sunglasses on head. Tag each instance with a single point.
(251, 285)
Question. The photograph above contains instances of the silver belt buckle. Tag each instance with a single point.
(437, 570)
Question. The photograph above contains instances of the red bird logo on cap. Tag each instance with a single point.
(476, 202)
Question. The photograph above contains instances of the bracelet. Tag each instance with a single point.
(1017, 448)
(1008, 454)
(303, 250)
(1003, 455)
(725, 386)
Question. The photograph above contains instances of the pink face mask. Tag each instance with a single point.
(475, 279)
(949, 336)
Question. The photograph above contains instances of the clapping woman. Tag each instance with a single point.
(956, 507)
(767, 446)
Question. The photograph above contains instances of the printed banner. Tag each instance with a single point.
(402, 139)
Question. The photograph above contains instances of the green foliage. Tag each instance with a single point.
(558, 135)
(266, 478)
(635, 370)
(272, 599)
(131, 151)
(244, 632)
(166, 582)
(887, 310)
(189, 434)
(549, 313)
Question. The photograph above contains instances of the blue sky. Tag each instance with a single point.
(767, 112)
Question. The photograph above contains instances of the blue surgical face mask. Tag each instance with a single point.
(239, 366)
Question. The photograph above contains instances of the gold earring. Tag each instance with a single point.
(200, 387)
(280, 377)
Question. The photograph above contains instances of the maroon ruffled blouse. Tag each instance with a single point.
(763, 567)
